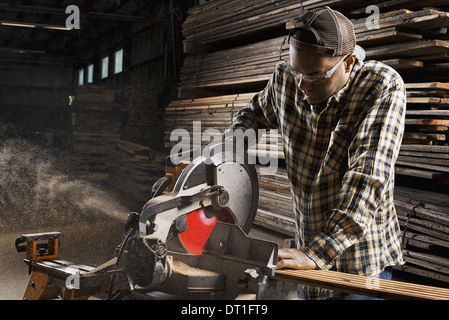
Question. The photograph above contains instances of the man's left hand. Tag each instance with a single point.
(294, 259)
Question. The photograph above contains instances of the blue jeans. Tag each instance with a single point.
(386, 275)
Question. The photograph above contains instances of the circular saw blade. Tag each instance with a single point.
(199, 227)
(231, 171)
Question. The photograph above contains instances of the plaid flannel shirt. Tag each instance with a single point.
(340, 160)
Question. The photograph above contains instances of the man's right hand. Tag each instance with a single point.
(294, 259)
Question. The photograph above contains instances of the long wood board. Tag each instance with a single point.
(350, 283)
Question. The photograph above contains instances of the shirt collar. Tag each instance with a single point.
(341, 95)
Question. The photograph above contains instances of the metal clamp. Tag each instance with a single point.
(39, 246)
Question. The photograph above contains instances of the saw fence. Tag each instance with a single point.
(231, 49)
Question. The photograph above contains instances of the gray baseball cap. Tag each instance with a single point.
(334, 33)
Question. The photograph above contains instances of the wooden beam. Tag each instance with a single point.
(368, 286)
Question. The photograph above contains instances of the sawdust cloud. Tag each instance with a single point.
(40, 192)
(38, 186)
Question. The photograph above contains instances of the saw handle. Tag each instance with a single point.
(160, 185)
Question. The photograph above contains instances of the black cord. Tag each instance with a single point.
(410, 214)
(280, 49)
(119, 256)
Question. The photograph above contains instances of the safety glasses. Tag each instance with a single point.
(318, 78)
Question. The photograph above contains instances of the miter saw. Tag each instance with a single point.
(189, 241)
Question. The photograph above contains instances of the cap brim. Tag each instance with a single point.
(311, 47)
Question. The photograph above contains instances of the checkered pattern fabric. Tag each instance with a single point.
(340, 159)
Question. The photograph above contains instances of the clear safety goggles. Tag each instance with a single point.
(318, 78)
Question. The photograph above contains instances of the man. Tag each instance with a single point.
(341, 121)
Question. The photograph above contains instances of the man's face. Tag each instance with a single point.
(313, 64)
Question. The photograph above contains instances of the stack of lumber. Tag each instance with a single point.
(425, 151)
(251, 63)
(427, 113)
(144, 116)
(134, 168)
(96, 127)
(359, 6)
(275, 210)
(219, 21)
(211, 113)
(403, 40)
(424, 219)
(426, 162)
(405, 34)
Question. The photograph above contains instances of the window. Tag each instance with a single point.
(104, 67)
(80, 77)
(118, 62)
(90, 73)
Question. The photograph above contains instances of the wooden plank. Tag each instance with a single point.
(430, 149)
(350, 283)
(439, 113)
(400, 64)
(430, 137)
(408, 49)
(422, 272)
(424, 230)
(383, 36)
(430, 199)
(410, 257)
(418, 173)
(434, 260)
(400, 4)
(418, 20)
(424, 155)
(275, 222)
(426, 241)
(424, 160)
(428, 100)
(427, 122)
(432, 227)
(428, 85)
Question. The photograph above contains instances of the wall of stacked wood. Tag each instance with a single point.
(231, 48)
(113, 130)
(96, 127)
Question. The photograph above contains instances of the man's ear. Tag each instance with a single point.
(349, 62)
